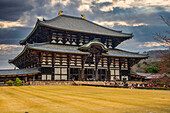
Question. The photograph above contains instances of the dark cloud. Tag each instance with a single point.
(149, 16)
(13, 35)
(11, 10)
(142, 33)
(4, 61)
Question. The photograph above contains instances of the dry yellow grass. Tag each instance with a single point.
(81, 99)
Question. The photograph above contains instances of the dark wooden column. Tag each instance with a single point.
(128, 64)
(120, 64)
(96, 68)
(53, 63)
(83, 58)
(50, 36)
(6, 79)
(68, 66)
(39, 64)
(108, 68)
(27, 78)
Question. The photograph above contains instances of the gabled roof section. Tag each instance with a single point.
(50, 48)
(77, 24)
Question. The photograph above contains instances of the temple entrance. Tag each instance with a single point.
(102, 74)
(75, 73)
(89, 74)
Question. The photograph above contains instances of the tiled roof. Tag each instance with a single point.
(77, 24)
(74, 50)
(55, 48)
(19, 71)
(122, 53)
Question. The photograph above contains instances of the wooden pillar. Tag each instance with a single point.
(53, 62)
(96, 68)
(108, 67)
(83, 58)
(40, 64)
(103, 40)
(6, 79)
(68, 66)
(50, 36)
(120, 64)
(27, 78)
(128, 64)
(78, 39)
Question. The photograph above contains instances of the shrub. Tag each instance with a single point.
(10, 83)
(18, 82)
(138, 65)
(152, 69)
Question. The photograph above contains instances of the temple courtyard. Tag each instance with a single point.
(82, 99)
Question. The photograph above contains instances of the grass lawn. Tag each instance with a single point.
(84, 99)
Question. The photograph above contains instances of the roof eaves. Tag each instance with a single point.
(35, 27)
(124, 56)
(108, 28)
(23, 51)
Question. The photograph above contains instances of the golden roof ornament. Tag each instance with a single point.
(83, 16)
(60, 12)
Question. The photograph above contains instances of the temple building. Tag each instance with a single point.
(67, 48)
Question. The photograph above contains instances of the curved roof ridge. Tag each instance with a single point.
(93, 42)
(87, 21)
(107, 27)
(77, 24)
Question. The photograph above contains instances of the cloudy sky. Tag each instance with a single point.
(140, 17)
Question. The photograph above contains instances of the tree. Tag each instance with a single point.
(18, 82)
(10, 83)
(164, 64)
(152, 69)
(164, 39)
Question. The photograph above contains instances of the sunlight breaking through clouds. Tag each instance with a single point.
(7, 24)
(124, 4)
(123, 23)
(85, 5)
(152, 44)
(63, 2)
(6, 49)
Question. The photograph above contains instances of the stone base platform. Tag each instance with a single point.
(40, 83)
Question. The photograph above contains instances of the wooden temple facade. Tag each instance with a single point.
(67, 48)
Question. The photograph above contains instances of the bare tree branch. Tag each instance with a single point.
(164, 40)
(165, 20)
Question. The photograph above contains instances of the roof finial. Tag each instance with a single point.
(38, 19)
(83, 16)
(59, 13)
